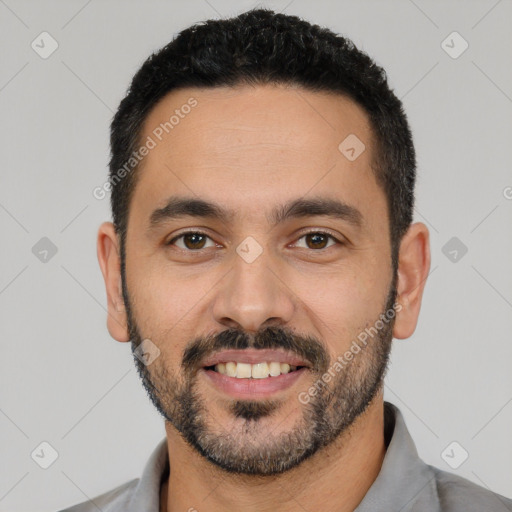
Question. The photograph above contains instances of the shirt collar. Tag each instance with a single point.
(403, 478)
(146, 495)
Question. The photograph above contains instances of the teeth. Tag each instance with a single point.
(243, 371)
(256, 371)
(231, 369)
(259, 371)
(274, 369)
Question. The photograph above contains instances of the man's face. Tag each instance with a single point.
(302, 286)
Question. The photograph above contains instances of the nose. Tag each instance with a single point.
(252, 296)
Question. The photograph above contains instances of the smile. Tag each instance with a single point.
(251, 388)
(263, 370)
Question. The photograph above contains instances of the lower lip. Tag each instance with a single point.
(252, 388)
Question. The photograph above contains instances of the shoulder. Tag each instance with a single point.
(110, 501)
(457, 494)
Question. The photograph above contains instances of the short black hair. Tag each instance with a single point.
(263, 47)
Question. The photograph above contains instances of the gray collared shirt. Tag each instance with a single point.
(405, 483)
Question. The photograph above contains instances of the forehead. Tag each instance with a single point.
(279, 116)
(246, 146)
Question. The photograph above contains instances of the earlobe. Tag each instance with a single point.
(110, 264)
(413, 268)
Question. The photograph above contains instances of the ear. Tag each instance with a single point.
(413, 269)
(110, 263)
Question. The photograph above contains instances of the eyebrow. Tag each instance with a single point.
(179, 206)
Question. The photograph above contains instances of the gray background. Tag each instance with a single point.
(66, 382)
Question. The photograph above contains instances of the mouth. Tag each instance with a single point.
(262, 370)
(253, 374)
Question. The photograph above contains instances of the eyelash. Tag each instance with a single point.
(201, 233)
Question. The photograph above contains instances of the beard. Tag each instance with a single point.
(250, 448)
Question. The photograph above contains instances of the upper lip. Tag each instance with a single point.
(255, 356)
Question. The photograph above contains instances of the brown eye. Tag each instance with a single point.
(317, 240)
(193, 240)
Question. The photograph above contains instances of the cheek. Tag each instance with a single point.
(166, 303)
(342, 303)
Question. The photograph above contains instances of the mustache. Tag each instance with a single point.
(307, 347)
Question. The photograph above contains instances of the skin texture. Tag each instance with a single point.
(249, 149)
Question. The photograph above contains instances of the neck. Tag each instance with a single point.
(338, 476)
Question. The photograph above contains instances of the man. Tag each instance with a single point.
(261, 259)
